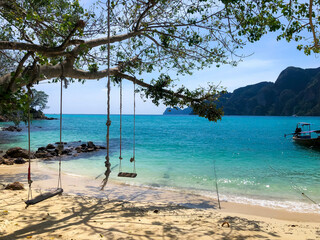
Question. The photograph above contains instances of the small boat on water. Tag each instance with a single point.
(303, 135)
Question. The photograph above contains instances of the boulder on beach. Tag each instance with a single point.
(15, 186)
(19, 161)
(17, 152)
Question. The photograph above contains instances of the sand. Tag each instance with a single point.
(126, 212)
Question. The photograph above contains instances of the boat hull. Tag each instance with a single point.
(307, 142)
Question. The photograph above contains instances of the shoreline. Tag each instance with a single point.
(45, 179)
(129, 212)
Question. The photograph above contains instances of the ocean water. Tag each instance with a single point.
(254, 162)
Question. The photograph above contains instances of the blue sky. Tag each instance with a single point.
(269, 57)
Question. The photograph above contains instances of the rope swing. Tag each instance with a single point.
(132, 174)
(58, 190)
(107, 162)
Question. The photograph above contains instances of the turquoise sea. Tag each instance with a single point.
(254, 162)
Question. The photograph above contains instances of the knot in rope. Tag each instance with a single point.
(108, 123)
(107, 163)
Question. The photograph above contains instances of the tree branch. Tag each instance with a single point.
(18, 70)
(316, 45)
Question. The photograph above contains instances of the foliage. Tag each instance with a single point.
(39, 100)
(15, 106)
(43, 40)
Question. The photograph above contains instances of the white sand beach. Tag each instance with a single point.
(126, 212)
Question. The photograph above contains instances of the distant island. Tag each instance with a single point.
(295, 92)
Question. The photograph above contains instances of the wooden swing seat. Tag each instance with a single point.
(127, 174)
(43, 197)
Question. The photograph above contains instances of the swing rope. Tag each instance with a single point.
(60, 147)
(134, 125)
(120, 157)
(215, 176)
(132, 174)
(107, 162)
(29, 145)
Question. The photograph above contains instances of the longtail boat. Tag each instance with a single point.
(303, 135)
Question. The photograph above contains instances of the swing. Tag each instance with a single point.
(128, 174)
(58, 190)
(107, 162)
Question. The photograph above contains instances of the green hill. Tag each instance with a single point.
(296, 91)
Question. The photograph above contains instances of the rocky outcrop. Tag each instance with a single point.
(12, 129)
(36, 115)
(39, 115)
(52, 150)
(17, 152)
(18, 155)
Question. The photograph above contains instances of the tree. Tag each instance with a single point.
(49, 39)
(39, 100)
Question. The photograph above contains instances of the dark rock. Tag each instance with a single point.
(1, 160)
(50, 146)
(17, 152)
(50, 150)
(78, 149)
(90, 149)
(43, 155)
(41, 149)
(54, 153)
(102, 147)
(15, 186)
(19, 161)
(97, 147)
(61, 142)
(66, 151)
(90, 144)
(1, 151)
(83, 145)
(12, 129)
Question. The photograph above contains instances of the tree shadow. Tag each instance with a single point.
(243, 225)
(128, 220)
